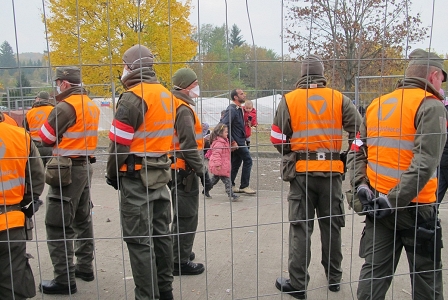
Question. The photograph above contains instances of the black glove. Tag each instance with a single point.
(365, 196)
(206, 182)
(30, 209)
(112, 182)
(382, 207)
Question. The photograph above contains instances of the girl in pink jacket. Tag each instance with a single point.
(219, 160)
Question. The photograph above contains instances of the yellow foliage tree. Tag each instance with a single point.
(94, 34)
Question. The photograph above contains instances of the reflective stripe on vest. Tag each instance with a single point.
(35, 118)
(14, 152)
(180, 163)
(80, 139)
(316, 122)
(390, 140)
(154, 136)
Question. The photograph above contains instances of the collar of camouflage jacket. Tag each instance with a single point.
(305, 81)
(182, 96)
(421, 83)
(75, 90)
(140, 75)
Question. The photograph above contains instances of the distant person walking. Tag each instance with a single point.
(442, 171)
(234, 120)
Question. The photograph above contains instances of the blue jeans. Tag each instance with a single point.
(241, 155)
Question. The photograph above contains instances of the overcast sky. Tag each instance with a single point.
(265, 17)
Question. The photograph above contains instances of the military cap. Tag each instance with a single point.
(43, 95)
(138, 56)
(71, 74)
(422, 57)
(182, 78)
(312, 65)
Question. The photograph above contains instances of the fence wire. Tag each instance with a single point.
(244, 245)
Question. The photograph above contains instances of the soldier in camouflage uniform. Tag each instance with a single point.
(72, 130)
(393, 171)
(309, 121)
(141, 134)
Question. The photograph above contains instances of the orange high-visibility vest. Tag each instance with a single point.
(154, 136)
(35, 118)
(14, 152)
(81, 138)
(9, 120)
(316, 121)
(390, 140)
(180, 163)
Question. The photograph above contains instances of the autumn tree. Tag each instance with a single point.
(95, 34)
(353, 36)
(7, 57)
(236, 40)
(222, 68)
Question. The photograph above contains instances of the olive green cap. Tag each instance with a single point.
(422, 57)
(182, 78)
(43, 95)
(70, 74)
(138, 56)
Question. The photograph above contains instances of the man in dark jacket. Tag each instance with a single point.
(443, 168)
(234, 119)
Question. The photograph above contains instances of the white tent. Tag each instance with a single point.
(209, 109)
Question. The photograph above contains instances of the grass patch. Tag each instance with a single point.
(260, 139)
(103, 138)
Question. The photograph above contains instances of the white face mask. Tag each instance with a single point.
(58, 89)
(194, 92)
(125, 73)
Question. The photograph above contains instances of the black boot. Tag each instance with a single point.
(52, 287)
(284, 285)
(188, 268)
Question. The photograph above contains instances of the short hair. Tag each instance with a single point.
(233, 94)
(420, 71)
(249, 101)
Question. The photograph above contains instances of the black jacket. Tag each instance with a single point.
(444, 159)
(234, 119)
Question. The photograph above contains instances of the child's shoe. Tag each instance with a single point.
(207, 194)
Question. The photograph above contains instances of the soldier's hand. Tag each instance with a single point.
(381, 207)
(32, 207)
(112, 182)
(365, 194)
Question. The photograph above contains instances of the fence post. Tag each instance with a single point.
(113, 96)
(8, 99)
